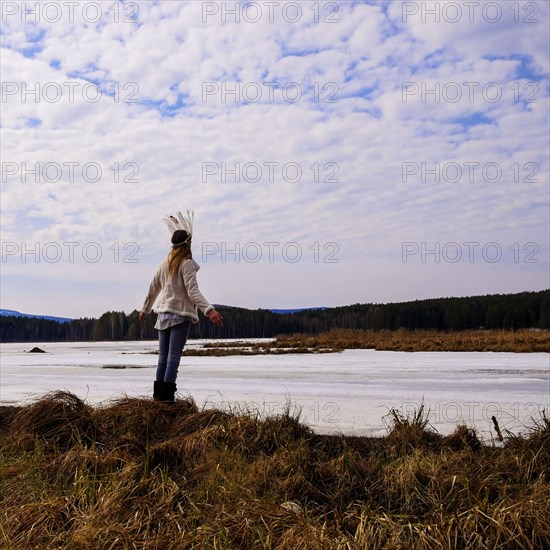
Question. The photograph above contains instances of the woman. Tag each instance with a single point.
(176, 282)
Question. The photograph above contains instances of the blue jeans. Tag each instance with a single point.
(171, 342)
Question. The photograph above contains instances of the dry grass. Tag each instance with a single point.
(337, 340)
(139, 474)
(523, 341)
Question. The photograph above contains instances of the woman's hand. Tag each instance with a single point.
(215, 317)
(141, 316)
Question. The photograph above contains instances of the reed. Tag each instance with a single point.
(520, 341)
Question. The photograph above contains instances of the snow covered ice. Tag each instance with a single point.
(348, 392)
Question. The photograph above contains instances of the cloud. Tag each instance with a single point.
(368, 162)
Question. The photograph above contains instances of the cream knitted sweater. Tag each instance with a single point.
(179, 293)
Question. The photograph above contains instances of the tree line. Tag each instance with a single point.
(495, 311)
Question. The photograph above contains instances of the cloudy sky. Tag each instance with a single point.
(333, 152)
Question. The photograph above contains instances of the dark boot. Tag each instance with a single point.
(168, 392)
(157, 390)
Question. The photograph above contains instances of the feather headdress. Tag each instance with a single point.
(179, 221)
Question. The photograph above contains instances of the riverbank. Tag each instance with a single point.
(518, 341)
(142, 474)
(336, 340)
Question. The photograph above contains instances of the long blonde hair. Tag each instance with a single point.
(180, 252)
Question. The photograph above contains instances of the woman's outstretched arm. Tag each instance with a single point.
(154, 290)
(190, 279)
(192, 287)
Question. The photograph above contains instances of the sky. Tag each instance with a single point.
(333, 152)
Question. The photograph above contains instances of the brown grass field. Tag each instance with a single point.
(522, 341)
(336, 340)
(139, 474)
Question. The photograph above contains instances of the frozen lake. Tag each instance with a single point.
(348, 392)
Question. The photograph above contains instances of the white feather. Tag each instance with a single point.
(179, 221)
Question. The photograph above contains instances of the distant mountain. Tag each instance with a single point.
(282, 311)
(13, 313)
